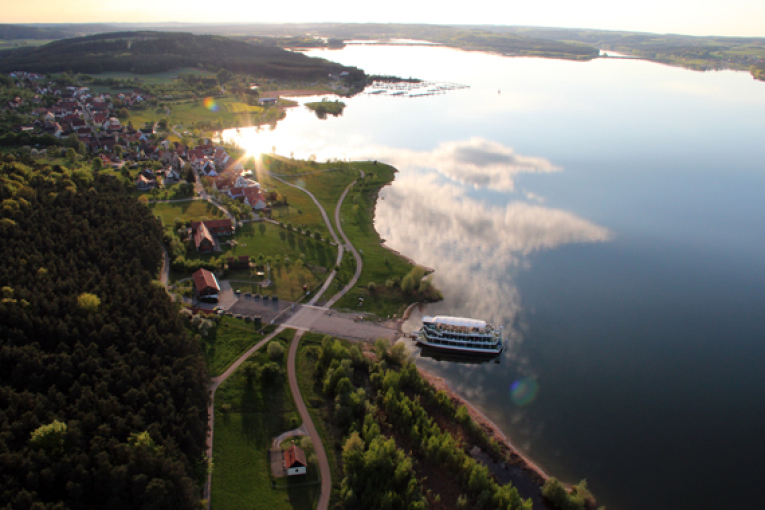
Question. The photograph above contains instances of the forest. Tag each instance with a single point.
(155, 52)
(103, 393)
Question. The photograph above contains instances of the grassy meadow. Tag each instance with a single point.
(249, 414)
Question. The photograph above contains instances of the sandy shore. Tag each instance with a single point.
(509, 451)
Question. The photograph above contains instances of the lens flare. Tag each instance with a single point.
(524, 391)
(210, 104)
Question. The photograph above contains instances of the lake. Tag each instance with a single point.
(611, 215)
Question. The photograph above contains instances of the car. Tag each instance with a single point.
(237, 292)
(248, 294)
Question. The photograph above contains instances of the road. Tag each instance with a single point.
(321, 455)
(340, 247)
(355, 252)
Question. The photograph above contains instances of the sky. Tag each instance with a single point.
(691, 17)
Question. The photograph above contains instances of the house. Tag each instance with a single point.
(242, 261)
(143, 183)
(206, 286)
(294, 461)
(215, 227)
(203, 239)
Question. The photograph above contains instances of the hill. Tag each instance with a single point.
(154, 52)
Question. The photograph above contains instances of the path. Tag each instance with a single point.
(321, 455)
(340, 247)
(355, 252)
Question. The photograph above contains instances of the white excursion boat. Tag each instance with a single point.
(458, 334)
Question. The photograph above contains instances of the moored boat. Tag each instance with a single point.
(459, 334)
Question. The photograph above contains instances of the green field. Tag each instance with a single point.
(379, 263)
(226, 342)
(187, 210)
(248, 415)
(256, 239)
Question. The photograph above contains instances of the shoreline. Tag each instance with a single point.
(512, 454)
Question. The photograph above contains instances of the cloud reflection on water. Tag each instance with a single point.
(476, 162)
(474, 247)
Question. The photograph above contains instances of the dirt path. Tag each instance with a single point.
(321, 455)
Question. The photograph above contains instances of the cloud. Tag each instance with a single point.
(476, 162)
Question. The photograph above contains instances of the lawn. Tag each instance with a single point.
(187, 210)
(271, 241)
(226, 342)
(379, 263)
(248, 415)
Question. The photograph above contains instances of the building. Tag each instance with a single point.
(206, 286)
(216, 227)
(203, 239)
(294, 461)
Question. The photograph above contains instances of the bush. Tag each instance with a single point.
(275, 350)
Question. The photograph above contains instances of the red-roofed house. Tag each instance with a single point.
(294, 461)
(203, 239)
(206, 287)
(216, 227)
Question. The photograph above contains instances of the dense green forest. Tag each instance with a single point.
(103, 394)
(154, 52)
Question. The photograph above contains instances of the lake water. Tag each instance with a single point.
(611, 214)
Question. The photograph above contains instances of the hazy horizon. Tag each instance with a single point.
(735, 18)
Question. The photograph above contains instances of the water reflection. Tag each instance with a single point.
(475, 162)
(474, 247)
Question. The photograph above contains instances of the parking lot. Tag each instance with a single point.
(267, 309)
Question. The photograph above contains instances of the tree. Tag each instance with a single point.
(275, 350)
(97, 164)
(118, 150)
(50, 437)
(71, 154)
(88, 302)
(407, 284)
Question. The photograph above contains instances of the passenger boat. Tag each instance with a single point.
(458, 334)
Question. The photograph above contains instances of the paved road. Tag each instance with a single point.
(340, 248)
(355, 253)
(321, 455)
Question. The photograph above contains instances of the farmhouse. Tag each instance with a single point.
(205, 285)
(203, 240)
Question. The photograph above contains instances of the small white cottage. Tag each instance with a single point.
(294, 461)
